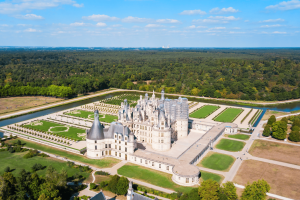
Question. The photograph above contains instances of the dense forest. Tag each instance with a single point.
(249, 74)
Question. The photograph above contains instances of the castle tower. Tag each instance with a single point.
(162, 94)
(130, 191)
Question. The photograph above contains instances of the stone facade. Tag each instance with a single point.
(156, 121)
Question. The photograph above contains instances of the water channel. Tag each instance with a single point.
(283, 107)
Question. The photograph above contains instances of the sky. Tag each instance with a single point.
(150, 23)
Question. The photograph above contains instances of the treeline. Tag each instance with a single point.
(234, 74)
(52, 90)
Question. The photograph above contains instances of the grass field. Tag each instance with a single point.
(102, 163)
(151, 176)
(239, 136)
(208, 175)
(204, 111)
(13, 104)
(217, 161)
(63, 130)
(230, 145)
(16, 162)
(90, 115)
(284, 181)
(276, 151)
(228, 115)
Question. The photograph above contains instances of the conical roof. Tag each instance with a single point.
(96, 132)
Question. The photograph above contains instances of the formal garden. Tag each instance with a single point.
(117, 100)
(217, 161)
(90, 115)
(228, 115)
(204, 111)
(230, 145)
(56, 129)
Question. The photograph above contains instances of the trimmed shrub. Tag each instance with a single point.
(294, 136)
(267, 131)
(271, 120)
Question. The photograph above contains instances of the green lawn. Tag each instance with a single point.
(16, 162)
(101, 163)
(240, 136)
(217, 161)
(230, 145)
(204, 111)
(90, 115)
(207, 175)
(151, 176)
(228, 115)
(60, 129)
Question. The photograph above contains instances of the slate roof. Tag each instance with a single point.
(96, 132)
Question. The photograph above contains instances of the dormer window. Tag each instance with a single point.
(115, 136)
(95, 141)
(119, 137)
(162, 123)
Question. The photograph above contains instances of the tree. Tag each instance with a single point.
(228, 191)
(8, 189)
(257, 190)
(112, 185)
(279, 129)
(122, 185)
(296, 122)
(284, 119)
(209, 190)
(192, 195)
(267, 131)
(271, 120)
(295, 136)
(34, 186)
(7, 169)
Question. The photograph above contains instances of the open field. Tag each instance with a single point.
(208, 175)
(217, 161)
(204, 111)
(13, 104)
(102, 163)
(239, 136)
(151, 176)
(276, 151)
(62, 130)
(90, 115)
(230, 145)
(13, 161)
(284, 181)
(228, 115)
(269, 113)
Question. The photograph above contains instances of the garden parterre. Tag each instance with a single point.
(204, 111)
(228, 115)
(90, 115)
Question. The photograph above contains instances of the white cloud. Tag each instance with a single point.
(207, 21)
(168, 21)
(233, 32)
(78, 5)
(218, 28)
(223, 10)
(131, 19)
(285, 5)
(4, 25)
(116, 25)
(31, 30)
(101, 24)
(15, 6)
(30, 17)
(192, 12)
(77, 24)
(153, 25)
(223, 18)
(193, 26)
(236, 28)
(277, 32)
(98, 18)
(270, 26)
(272, 20)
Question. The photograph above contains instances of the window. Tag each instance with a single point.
(119, 142)
(125, 149)
(119, 147)
(146, 161)
(115, 141)
(192, 179)
(162, 123)
(187, 180)
(159, 165)
(125, 143)
(162, 135)
(115, 146)
(119, 137)
(115, 136)
(167, 167)
(125, 138)
(97, 155)
(109, 146)
(115, 153)
(95, 147)
(141, 160)
(119, 154)
(134, 158)
(152, 164)
(105, 145)
(95, 141)
(162, 141)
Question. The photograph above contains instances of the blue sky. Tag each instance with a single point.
(150, 23)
